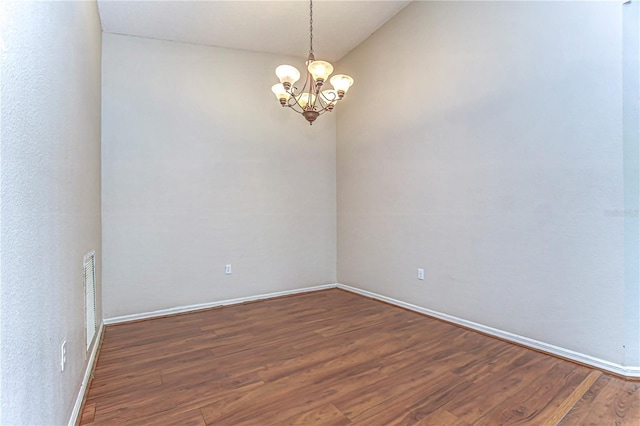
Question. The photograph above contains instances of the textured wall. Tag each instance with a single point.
(486, 147)
(631, 212)
(202, 168)
(50, 212)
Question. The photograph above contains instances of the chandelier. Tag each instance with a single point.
(311, 100)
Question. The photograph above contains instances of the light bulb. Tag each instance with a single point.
(341, 83)
(288, 75)
(303, 100)
(280, 92)
(320, 70)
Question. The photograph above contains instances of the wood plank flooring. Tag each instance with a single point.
(336, 358)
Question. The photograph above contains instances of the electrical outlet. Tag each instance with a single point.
(63, 355)
(227, 269)
(420, 274)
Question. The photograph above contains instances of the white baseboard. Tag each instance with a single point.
(621, 370)
(200, 306)
(87, 376)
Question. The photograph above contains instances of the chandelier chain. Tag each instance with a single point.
(310, 26)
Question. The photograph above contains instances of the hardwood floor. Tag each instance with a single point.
(335, 358)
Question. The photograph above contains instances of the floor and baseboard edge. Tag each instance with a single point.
(191, 308)
(73, 420)
(617, 369)
(630, 372)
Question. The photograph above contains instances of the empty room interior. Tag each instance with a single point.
(435, 220)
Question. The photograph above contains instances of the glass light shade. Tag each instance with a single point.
(303, 99)
(320, 69)
(287, 74)
(280, 91)
(330, 96)
(341, 82)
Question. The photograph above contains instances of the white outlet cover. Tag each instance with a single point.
(227, 269)
(420, 274)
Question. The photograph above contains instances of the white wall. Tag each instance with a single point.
(50, 211)
(631, 138)
(201, 168)
(486, 147)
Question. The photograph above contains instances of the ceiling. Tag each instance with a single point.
(280, 27)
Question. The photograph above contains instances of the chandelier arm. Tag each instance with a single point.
(307, 88)
(320, 102)
(327, 100)
(293, 107)
(312, 91)
(293, 101)
(294, 104)
(292, 91)
(308, 81)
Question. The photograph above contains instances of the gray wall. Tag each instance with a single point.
(50, 211)
(202, 168)
(486, 147)
(631, 212)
